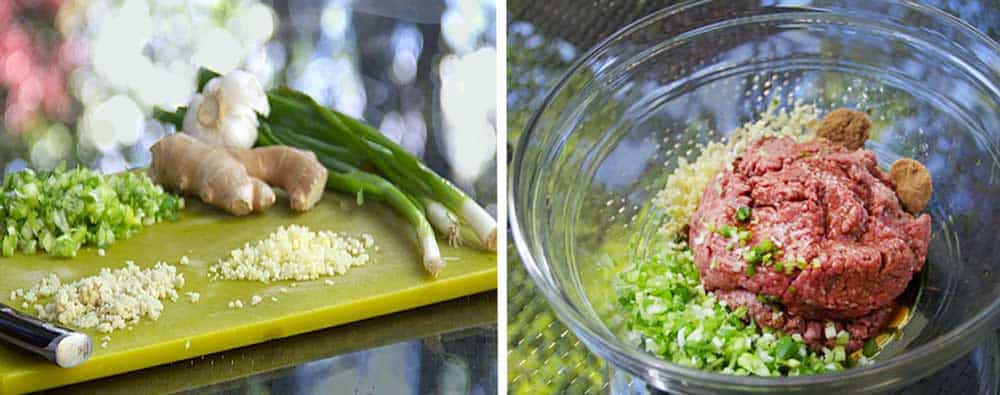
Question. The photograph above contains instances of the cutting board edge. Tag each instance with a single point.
(258, 332)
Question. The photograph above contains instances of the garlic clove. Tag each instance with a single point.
(192, 124)
(225, 113)
(208, 112)
(241, 88)
(212, 86)
(238, 131)
(232, 110)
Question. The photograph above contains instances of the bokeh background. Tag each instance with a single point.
(79, 78)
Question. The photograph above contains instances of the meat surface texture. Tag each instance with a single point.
(821, 204)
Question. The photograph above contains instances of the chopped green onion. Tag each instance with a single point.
(787, 348)
(744, 236)
(843, 337)
(869, 348)
(743, 214)
(765, 246)
(830, 331)
(669, 314)
(839, 354)
(62, 210)
(726, 231)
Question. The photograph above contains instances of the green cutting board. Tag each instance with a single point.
(393, 280)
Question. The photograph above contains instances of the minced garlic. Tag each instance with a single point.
(294, 253)
(111, 300)
(685, 186)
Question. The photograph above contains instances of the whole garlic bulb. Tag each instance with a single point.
(225, 113)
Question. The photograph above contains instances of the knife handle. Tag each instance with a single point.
(66, 348)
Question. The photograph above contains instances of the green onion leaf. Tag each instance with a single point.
(787, 348)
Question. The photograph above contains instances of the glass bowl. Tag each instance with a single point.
(613, 128)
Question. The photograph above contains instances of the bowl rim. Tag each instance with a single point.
(645, 365)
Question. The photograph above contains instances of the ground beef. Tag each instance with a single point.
(812, 331)
(819, 203)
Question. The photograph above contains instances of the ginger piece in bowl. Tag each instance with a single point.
(845, 127)
(913, 183)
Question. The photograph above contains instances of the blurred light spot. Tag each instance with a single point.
(15, 165)
(254, 24)
(259, 64)
(468, 99)
(163, 88)
(407, 38)
(117, 121)
(404, 67)
(29, 90)
(316, 77)
(415, 138)
(117, 47)
(53, 148)
(567, 51)
(112, 162)
(406, 130)
(335, 20)
(392, 126)
(407, 43)
(462, 24)
(15, 66)
(178, 28)
(219, 50)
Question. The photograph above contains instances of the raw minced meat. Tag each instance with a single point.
(844, 248)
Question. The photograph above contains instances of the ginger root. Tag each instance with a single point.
(296, 171)
(848, 128)
(237, 180)
(913, 184)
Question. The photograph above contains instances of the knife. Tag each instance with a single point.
(64, 347)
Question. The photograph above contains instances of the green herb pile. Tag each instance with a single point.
(59, 211)
(668, 313)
